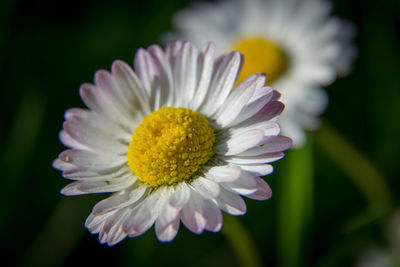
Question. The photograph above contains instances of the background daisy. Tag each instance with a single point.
(296, 43)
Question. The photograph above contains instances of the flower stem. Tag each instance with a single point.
(362, 172)
(241, 242)
(295, 202)
(18, 149)
(60, 235)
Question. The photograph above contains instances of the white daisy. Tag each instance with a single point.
(295, 42)
(173, 141)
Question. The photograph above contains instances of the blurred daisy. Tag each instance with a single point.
(172, 141)
(295, 42)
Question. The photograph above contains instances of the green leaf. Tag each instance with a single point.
(295, 202)
(241, 242)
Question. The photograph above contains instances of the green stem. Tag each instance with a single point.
(60, 235)
(362, 172)
(18, 149)
(295, 204)
(241, 242)
(365, 176)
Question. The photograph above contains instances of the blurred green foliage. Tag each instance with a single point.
(48, 48)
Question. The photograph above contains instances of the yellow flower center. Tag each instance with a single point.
(261, 55)
(170, 145)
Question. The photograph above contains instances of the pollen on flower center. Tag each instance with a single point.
(261, 55)
(170, 145)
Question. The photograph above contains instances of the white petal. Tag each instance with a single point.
(193, 213)
(181, 195)
(168, 232)
(224, 173)
(145, 69)
(62, 165)
(253, 107)
(162, 88)
(240, 142)
(80, 173)
(231, 203)
(112, 232)
(269, 112)
(116, 96)
(263, 192)
(184, 71)
(91, 160)
(118, 201)
(93, 138)
(261, 92)
(237, 100)
(204, 71)
(271, 144)
(143, 216)
(207, 188)
(69, 141)
(131, 86)
(99, 101)
(260, 98)
(95, 223)
(269, 128)
(164, 75)
(246, 184)
(87, 187)
(258, 170)
(213, 215)
(226, 69)
(99, 122)
(265, 158)
(116, 236)
(168, 213)
(275, 96)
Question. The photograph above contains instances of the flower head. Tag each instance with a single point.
(295, 42)
(175, 140)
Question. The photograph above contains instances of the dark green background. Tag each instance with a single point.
(48, 48)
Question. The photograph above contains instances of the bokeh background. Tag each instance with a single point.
(48, 48)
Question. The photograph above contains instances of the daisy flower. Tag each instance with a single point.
(174, 140)
(295, 42)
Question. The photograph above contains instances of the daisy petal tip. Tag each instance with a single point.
(269, 88)
(214, 230)
(287, 143)
(57, 164)
(276, 95)
(101, 74)
(166, 236)
(261, 75)
(217, 229)
(85, 89)
(264, 191)
(141, 51)
(117, 65)
(238, 57)
(238, 213)
(174, 45)
(154, 47)
(115, 238)
(234, 211)
(71, 190)
(209, 46)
